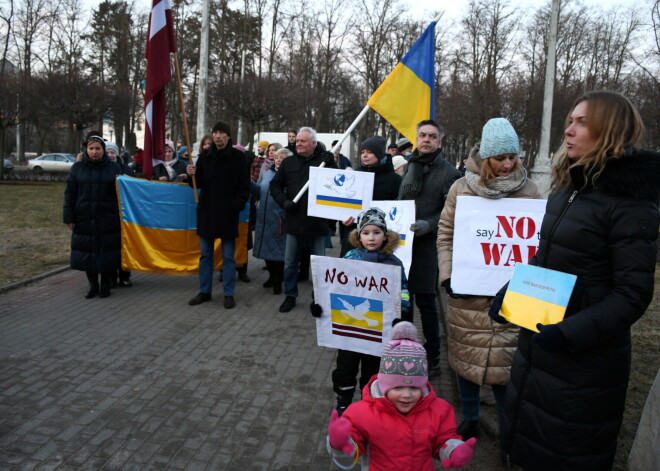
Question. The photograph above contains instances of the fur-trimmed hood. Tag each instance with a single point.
(388, 248)
(636, 174)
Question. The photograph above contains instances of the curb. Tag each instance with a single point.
(18, 284)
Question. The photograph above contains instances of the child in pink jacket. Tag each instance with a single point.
(400, 423)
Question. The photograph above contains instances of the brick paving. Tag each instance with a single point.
(141, 380)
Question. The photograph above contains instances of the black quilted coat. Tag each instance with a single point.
(90, 202)
(564, 409)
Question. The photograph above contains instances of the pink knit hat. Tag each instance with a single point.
(403, 362)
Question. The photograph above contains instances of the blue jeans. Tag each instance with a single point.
(294, 245)
(428, 311)
(206, 266)
(470, 398)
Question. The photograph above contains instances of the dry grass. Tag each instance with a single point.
(34, 239)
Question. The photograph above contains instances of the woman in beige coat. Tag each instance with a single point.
(481, 350)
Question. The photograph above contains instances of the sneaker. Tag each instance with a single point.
(200, 298)
(288, 304)
(468, 429)
(268, 283)
(244, 277)
(229, 302)
(277, 288)
(126, 283)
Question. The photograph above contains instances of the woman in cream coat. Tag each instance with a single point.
(481, 350)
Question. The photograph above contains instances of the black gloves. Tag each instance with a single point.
(289, 205)
(328, 159)
(550, 337)
(494, 311)
(315, 309)
(447, 286)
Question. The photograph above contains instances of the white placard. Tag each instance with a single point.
(338, 194)
(400, 215)
(490, 237)
(359, 301)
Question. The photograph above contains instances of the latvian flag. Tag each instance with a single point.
(160, 43)
(357, 317)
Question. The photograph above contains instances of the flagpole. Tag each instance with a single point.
(185, 122)
(357, 120)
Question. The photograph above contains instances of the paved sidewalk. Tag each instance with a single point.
(141, 380)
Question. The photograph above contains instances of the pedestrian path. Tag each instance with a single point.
(141, 380)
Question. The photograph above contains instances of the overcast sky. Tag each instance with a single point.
(420, 8)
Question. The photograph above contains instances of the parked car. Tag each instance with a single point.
(52, 163)
(8, 165)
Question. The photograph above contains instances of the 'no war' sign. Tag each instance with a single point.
(490, 237)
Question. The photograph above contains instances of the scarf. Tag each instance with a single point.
(168, 166)
(411, 186)
(501, 187)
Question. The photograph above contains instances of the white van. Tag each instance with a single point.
(325, 138)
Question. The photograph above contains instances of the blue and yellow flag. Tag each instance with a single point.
(158, 228)
(407, 95)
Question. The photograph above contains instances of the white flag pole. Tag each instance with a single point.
(337, 146)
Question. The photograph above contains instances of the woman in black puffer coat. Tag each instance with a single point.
(92, 214)
(564, 405)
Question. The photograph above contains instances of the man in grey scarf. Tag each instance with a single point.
(427, 181)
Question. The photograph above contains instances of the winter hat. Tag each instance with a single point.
(222, 127)
(398, 161)
(376, 145)
(111, 146)
(182, 150)
(393, 146)
(403, 362)
(263, 144)
(170, 144)
(497, 138)
(403, 144)
(372, 216)
(95, 138)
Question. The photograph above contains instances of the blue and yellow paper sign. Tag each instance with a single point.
(537, 295)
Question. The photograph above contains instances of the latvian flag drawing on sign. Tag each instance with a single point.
(360, 318)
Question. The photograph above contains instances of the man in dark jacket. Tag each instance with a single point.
(427, 181)
(301, 230)
(223, 176)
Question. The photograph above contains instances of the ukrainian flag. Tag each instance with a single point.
(537, 295)
(158, 228)
(338, 202)
(407, 95)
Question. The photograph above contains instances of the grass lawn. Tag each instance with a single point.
(34, 239)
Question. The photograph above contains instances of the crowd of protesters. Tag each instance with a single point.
(559, 389)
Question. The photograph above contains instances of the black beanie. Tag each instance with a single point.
(376, 145)
(222, 127)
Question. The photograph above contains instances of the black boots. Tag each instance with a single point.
(93, 285)
(468, 429)
(105, 285)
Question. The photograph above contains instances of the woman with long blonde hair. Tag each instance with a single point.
(565, 401)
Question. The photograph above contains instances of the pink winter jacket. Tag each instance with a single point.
(401, 442)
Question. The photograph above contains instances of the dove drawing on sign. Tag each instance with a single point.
(341, 184)
(358, 312)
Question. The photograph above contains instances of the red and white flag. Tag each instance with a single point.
(160, 43)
